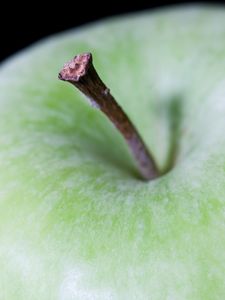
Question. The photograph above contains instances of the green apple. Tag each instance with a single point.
(76, 222)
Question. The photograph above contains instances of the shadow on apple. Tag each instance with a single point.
(174, 110)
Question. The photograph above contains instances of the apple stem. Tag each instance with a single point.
(81, 73)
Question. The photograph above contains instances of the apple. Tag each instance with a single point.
(76, 221)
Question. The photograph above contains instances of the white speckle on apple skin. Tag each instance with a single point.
(74, 286)
(75, 221)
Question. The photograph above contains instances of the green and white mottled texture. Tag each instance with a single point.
(75, 220)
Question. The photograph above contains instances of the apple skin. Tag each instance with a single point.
(76, 222)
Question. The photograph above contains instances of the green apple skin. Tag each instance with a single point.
(76, 222)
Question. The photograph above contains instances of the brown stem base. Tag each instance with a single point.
(81, 73)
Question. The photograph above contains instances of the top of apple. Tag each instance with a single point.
(75, 220)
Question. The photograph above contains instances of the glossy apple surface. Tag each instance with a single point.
(76, 222)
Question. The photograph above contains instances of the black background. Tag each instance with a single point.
(23, 24)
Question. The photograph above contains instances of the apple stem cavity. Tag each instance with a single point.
(81, 73)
